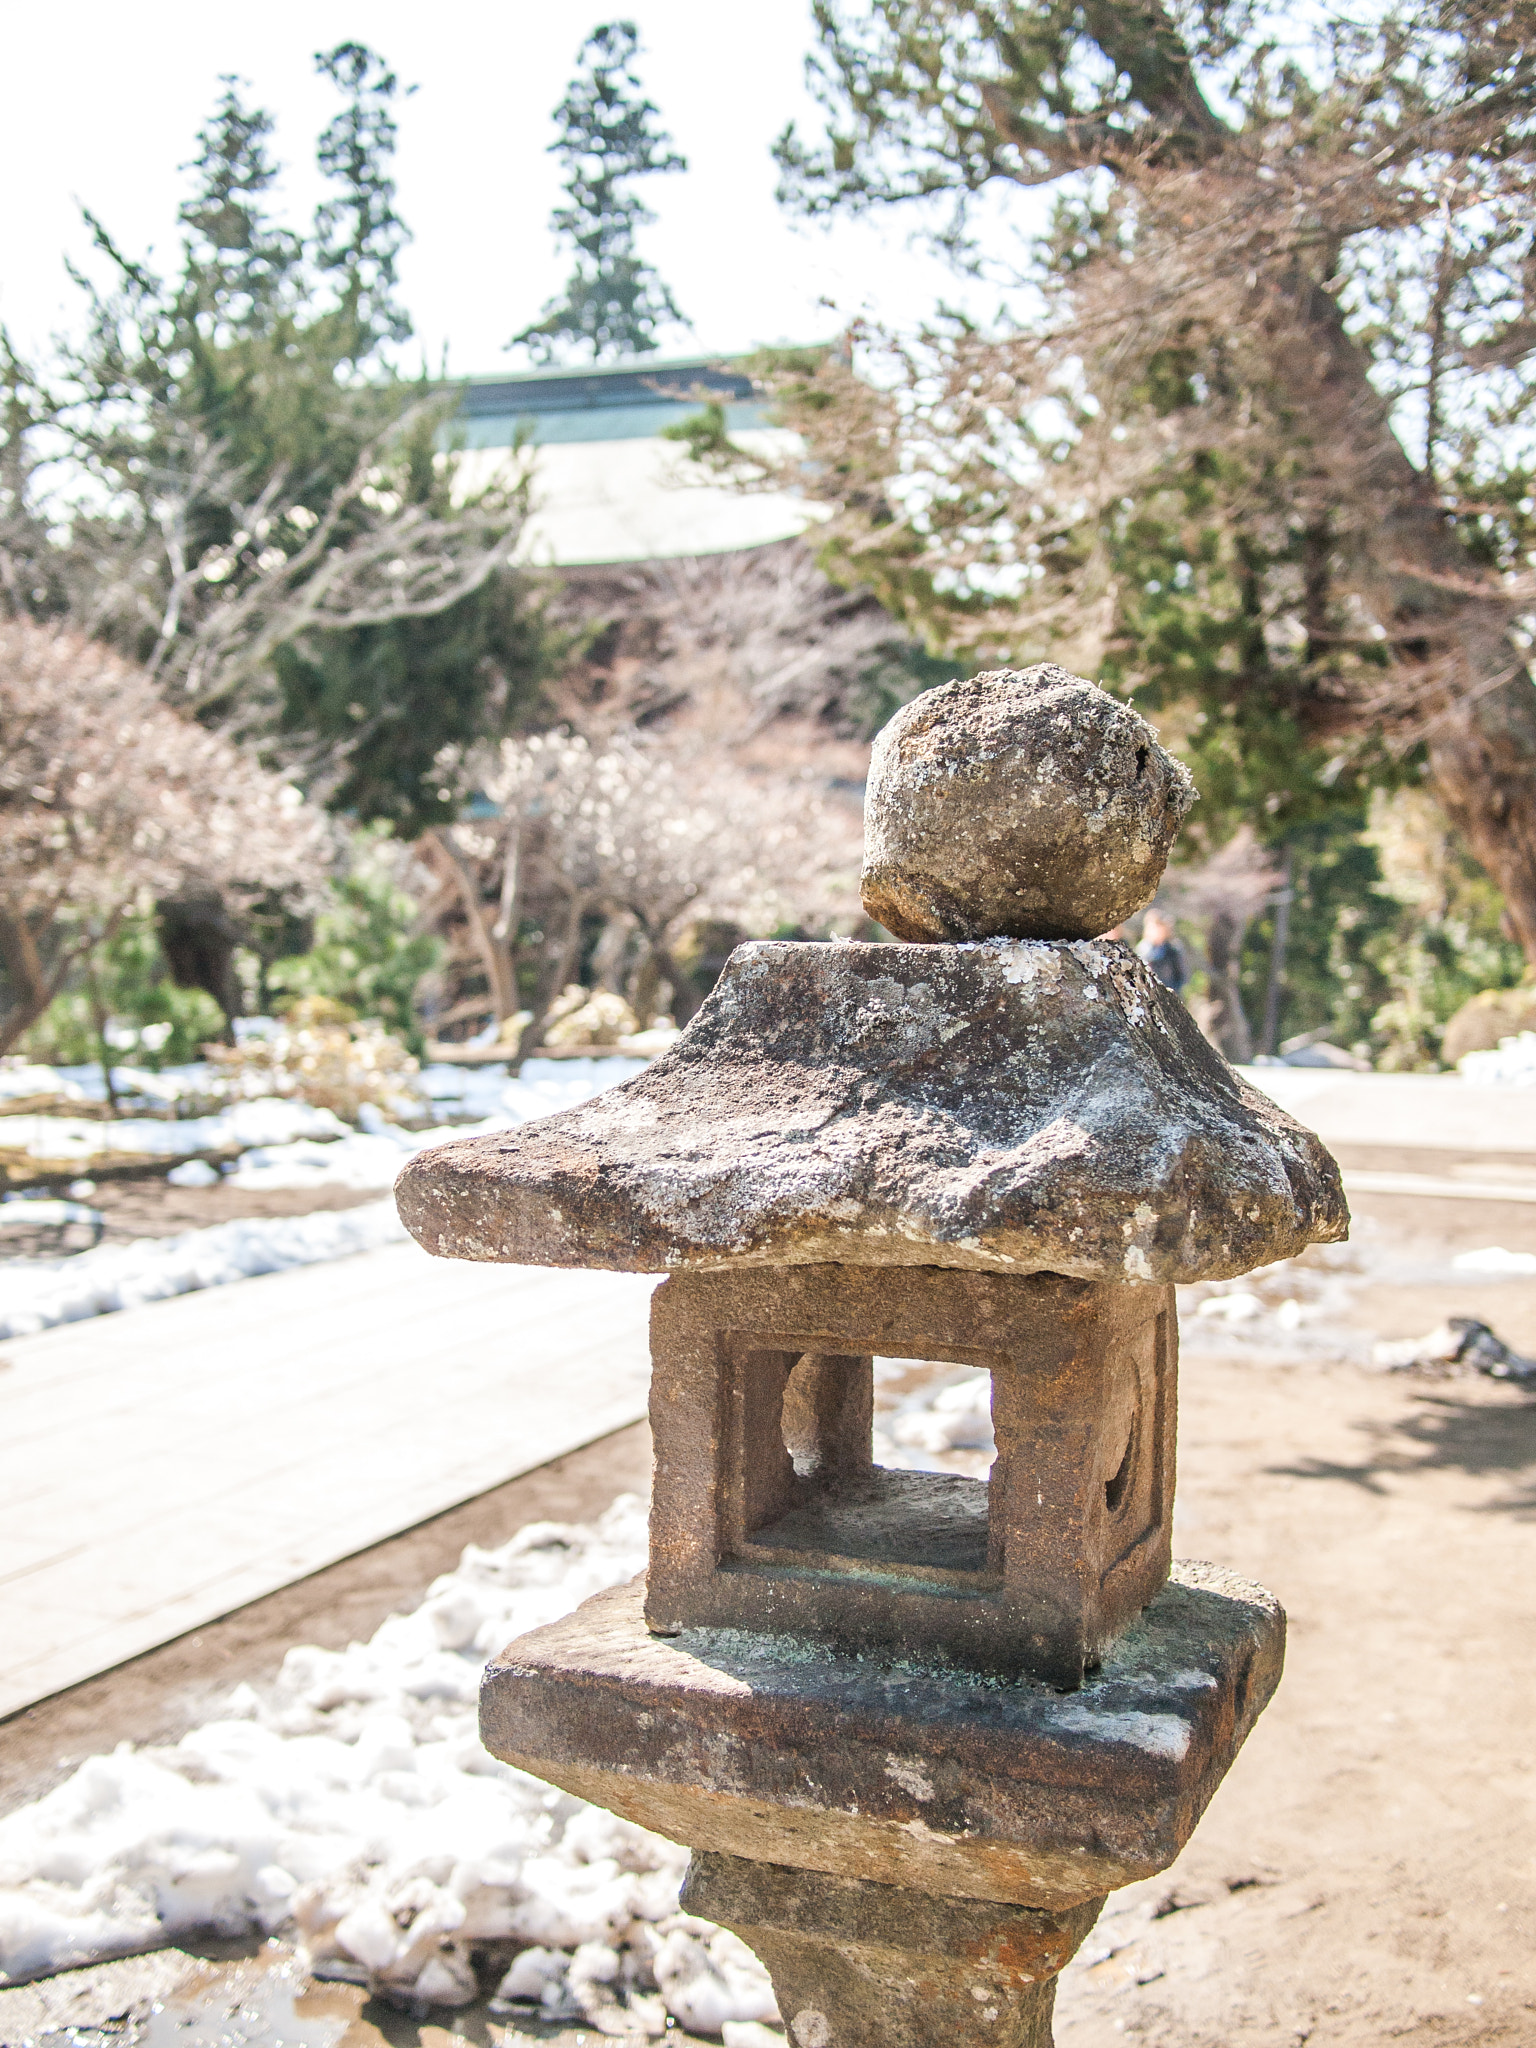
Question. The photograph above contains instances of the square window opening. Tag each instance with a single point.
(932, 1416)
(835, 1505)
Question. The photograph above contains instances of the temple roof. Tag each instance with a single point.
(604, 401)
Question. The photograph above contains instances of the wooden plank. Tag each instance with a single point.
(164, 1465)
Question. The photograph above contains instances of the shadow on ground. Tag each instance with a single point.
(256, 1995)
(1445, 1432)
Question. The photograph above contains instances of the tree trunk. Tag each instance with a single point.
(559, 966)
(30, 992)
(32, 986)
(1274, 994)
(686, 999)
(1483, 758)
(1482, 740)
(101, 1020)
(198, 938)
(495, 953)
(1480, 718)
(1228, 1024)
(646, 984)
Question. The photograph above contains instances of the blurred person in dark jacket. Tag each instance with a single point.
(1162, 952)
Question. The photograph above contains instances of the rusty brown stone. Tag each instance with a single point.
(1023, 803)
(861, 1965)
(786, 1752)
(768, 1511)
(1015, 1108)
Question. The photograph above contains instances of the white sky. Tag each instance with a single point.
(101, 104)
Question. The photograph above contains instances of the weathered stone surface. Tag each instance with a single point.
(769, 1512)
(1029, 1107)
(1023, 803)
(861, 1965)
(771, 1748)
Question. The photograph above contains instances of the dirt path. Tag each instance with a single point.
(156, 1698)
(1367, 1874)
(148, 1206)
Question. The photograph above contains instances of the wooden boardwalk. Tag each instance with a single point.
(164, 1465)
(1431, 1112)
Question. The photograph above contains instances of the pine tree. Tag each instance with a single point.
(610, 134)
(1261, 445)
(275, 535)
(358, 233)
(237, 261)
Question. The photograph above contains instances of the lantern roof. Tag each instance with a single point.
(1002, 1106)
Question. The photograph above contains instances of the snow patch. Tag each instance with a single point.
(290, 1145)
(1239, 1307)
(355, 1808)
(20, 1082)
(38, 1294)
(373, 1156)
(269, 1120)
(193, 1173)
(1494, 1259)
(1511, 1064)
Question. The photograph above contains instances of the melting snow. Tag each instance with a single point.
(1512, 1064)
(354, 1807)
(37, 1294)
(269, 1120)
(291, 1145)
(1494, 1259)
(372, 1156)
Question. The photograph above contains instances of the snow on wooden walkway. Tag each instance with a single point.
(164, 1465)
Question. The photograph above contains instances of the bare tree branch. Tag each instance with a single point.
(109, 799)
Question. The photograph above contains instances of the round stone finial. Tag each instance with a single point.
(1022, 804)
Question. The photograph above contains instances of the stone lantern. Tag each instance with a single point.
(914, 1725)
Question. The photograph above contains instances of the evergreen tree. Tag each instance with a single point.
(610, 134)
(236, 260)
(358, 234)
(1260, 449)
(271, 525)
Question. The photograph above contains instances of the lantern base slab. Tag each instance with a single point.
(787, 1752)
